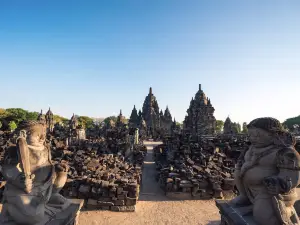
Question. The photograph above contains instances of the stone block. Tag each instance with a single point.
(123, 208)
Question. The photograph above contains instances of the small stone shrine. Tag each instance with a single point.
(77, 132)
(49, 121)
(266, 176)
(41, 117)
(228, 129)
(121, 120)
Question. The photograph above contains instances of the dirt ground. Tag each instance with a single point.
(155, 208)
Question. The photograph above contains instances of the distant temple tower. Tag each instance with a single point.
(49, 117)
(134, 118)
(73, 123)
(228, 126)
(200, 118)
(150, 113)
(77, 133)
(41, 117)
(166, 121)
(121, 120)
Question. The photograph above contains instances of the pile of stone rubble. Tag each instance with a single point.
(106, 181)
(195, 170)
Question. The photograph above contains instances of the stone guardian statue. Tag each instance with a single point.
(31, 195)
(268, 173)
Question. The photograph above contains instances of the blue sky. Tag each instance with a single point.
(96, 57)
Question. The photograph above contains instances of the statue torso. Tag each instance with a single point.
(259, 164)
(41, 166)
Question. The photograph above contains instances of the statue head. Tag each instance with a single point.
(34, 131)
(266, 131)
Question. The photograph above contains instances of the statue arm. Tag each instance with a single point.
(13, 175)
(11, 170)
(288, 178)
(288, 163)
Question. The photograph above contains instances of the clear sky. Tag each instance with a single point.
(96, 57)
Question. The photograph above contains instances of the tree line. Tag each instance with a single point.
(11, 118)
(236, 127)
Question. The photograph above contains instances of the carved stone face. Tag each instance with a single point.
(36, 136)
(260, 138)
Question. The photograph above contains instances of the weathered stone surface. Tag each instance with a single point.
(123, 208)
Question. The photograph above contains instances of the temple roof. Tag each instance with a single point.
(73, 117)
(167, 114)
(200, 96)
(49, 112)
(41, 117)
(228, 120)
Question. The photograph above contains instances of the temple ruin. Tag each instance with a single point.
(200, 118)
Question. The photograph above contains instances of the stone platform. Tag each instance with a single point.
(234, 216)
(187, 196)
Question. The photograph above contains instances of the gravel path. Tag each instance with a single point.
(154, 208)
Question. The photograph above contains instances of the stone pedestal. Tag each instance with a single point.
(69, 216)
(235, 216)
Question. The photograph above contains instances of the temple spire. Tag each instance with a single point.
(199, 87)
(150, 91)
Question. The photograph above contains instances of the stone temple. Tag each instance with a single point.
(228, 127)
(150, 113)
(150, 118)
(166, 121)
(200, 118)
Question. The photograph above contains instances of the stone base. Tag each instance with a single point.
(92, 204)
(189, 196)
(67, 217)
(234, 216)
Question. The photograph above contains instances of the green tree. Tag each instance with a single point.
(32, 115)
(59, 119)
(290, 122)
(178, 124)
(0, 124)
(3, 113)
(236, 127)
(16, 114)
(113, 118)
(86, 122)
(219, 125)
(12, 125)
(245, 128)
